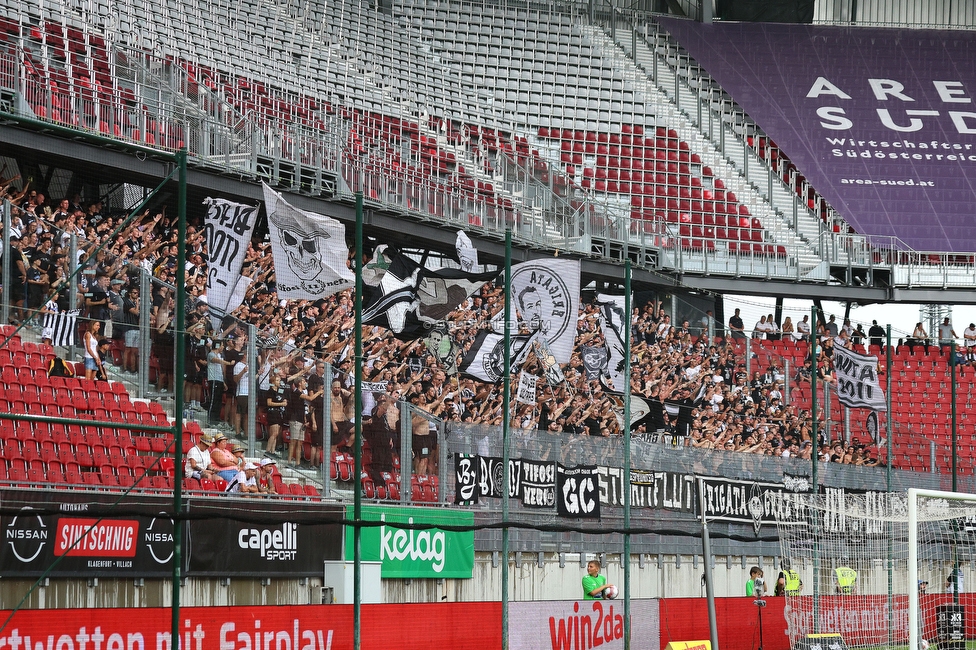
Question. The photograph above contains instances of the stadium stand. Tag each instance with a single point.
(560, 109)
(438, 109)
(406, 137)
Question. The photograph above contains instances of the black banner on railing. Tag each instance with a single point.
(91, 536)
(758, 503)
(577, 491)
(466, 490)
(537, 483)
(665, 490)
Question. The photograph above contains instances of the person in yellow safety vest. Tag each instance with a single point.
(788, 583)
(846, 580)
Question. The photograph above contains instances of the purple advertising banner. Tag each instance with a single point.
(881, 121)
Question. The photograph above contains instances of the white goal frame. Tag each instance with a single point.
(913, 600)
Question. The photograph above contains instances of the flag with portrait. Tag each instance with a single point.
(546, 294)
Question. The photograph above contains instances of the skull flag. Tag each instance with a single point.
(309, 250)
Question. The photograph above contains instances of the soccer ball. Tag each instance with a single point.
(924, 644)
(611, 593)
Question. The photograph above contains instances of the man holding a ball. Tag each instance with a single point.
(595, 585)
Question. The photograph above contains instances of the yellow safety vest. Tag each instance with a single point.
(792, 582)
(846, 577)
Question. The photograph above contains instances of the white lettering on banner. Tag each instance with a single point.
(950, 92)
(266, 639)
(578, 495)
(611, 481)
(538, 472)
(401, 544)
(537, 483)
(668, 490)
(866, 624)
(273, 544)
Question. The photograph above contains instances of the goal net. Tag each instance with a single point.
(879, 568)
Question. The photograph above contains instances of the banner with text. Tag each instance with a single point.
(224, 547)
(546, 296)
(95, 536)
(88, 536)
(309, 249)
(857, 380)
(227, 229)
(536, 485)
(466, 489)
(752, 502)
(890, 142)
(578, 492)
(430, 553)
(415, 626)
(578, 624)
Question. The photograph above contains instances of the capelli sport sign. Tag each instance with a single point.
(412, 553)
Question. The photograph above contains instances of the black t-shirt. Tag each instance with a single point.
(315, 383)
(99, 312)
(295, 411)
(877, 334)
(233, 356)
(278, 395)
(128, 317)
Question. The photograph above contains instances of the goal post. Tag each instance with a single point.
(853, 563)
(925, 508)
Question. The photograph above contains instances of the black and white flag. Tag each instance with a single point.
(486, 358)
(594, 361)
(467, 253)
(61, 327)
(578, 492)
(490, 476)
(309, 249)
(228, 230)
(401, 295)
(640, 408)
(537, 483)
(546, 294)
(440, 344)
(613, 321)
(466, 490)
(857, 380)
(526, 388)
(553, 373)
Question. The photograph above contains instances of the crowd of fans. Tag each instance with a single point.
(696, 386)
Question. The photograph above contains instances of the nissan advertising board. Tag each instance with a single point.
(88, 537)
(132, 545)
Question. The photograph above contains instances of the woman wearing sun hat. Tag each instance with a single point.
(222, 460)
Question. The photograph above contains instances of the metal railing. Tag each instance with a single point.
(165, 106)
